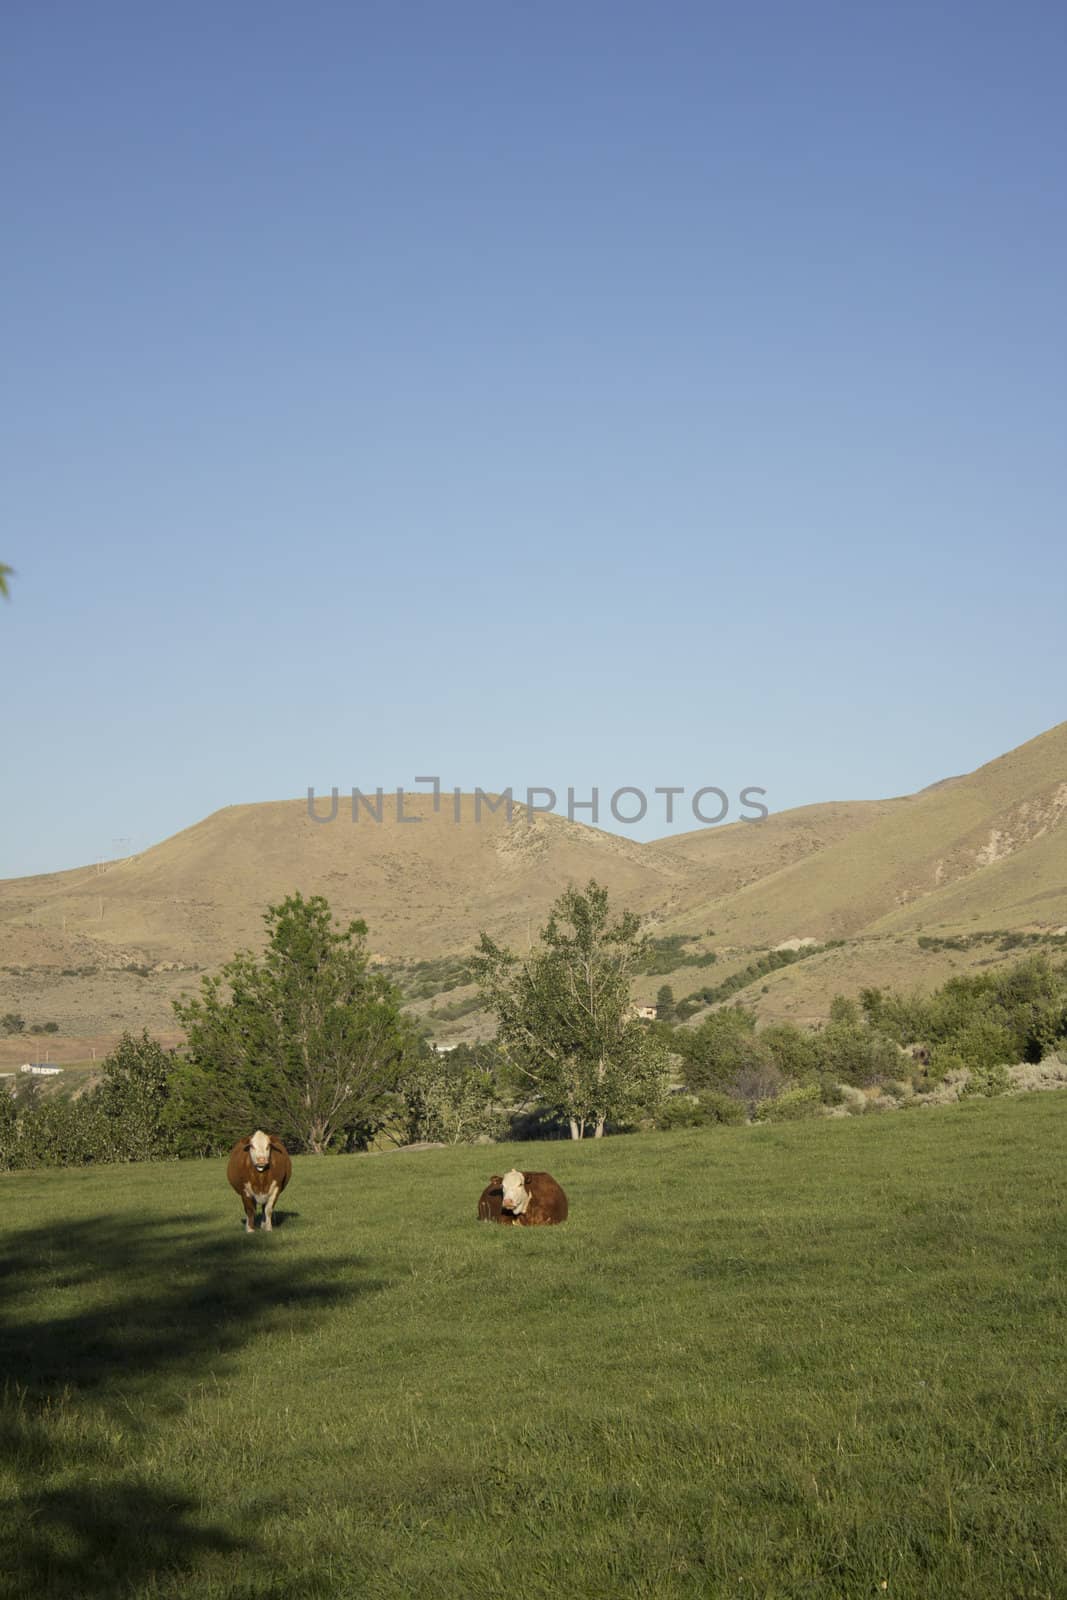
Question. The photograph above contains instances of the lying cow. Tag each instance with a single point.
(526, 1199)
(259, 1169)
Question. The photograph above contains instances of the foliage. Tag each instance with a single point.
(723, 1046)
(794, 1051)
(770, 962)
(855, 1053)
(792, 1105)
(6, 572)
(306, 1040)
(133, 1098)
(12, 1022)
(664, 1003)
(565, 1018)
(667, 954)
(699, 1110)
(452, 1097)
(1018, 1013)
(987, 1081)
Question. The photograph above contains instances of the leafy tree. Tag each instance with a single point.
(724, 1046)
(851, 1052)
(565, 1018)
(305, 1041)
(132, 1099)
(845, 1011)
(794, 1051)
(664, 1003)
(451, 1096)
(9, 1130)
(11, 1022)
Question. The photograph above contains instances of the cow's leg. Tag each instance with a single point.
(268, 1209)
(249, 1204)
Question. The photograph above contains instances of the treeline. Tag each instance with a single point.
(146, 1108)
(312, 1042)
(973, 1028)
(772, 961)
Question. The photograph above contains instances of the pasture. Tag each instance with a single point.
(796, 1361)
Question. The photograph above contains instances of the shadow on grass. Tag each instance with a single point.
(105, 1326)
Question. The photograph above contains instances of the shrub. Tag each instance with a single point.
(794, 1052)
(721, 1049)
(851, 1052)
(987, 1081)
(792, 1105)
(699, 1111)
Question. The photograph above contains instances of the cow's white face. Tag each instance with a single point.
(259, 1150)
(516, 1195)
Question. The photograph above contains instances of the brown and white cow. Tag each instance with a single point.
(259, 1169)
(523, 1199)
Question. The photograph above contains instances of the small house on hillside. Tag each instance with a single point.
(645, 1013)
(41, 1069)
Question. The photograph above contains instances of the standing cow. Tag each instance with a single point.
(259, 1169)
(523, 1199)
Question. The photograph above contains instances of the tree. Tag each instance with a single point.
(306, 1041)
(132, 1099)
(11, 1022)
(722, 1049)
(664, 1003)
(5, 574)
(451, 1097)
(565, 1018)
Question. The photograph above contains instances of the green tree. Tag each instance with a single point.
(132, 1099)
(451, 1096)
(565, 1018)
(11, 1022)
(305, 1041)
(723, 1048)
(665, 1003)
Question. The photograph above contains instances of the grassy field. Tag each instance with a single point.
(809, 1361)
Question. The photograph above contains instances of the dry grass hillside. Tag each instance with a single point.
(425, 888)
(989, 849)
(99, 950)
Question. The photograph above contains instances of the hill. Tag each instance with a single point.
(98, 949)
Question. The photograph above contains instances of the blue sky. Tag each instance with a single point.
(567, 395)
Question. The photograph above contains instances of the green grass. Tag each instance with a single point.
(811, 1361)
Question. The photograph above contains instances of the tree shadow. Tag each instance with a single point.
(98, 1318)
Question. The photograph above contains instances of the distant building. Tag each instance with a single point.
(645, 1013)
(41, 1069)
(443, 1049)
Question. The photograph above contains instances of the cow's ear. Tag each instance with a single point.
(247, 1145)
(496, 1181)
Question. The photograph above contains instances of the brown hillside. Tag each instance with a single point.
(425, 888)
(991, 846)
(99, 950)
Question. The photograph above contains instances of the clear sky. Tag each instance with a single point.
(559, 394)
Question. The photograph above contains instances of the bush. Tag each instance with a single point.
(721, 1049)
(794, 1052)
(452, 1103)
(852, 1052)
(699, 1111)
(987, 1081)
(792, 1105)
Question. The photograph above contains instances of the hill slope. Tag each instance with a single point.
(985, 850)
(991, 847)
